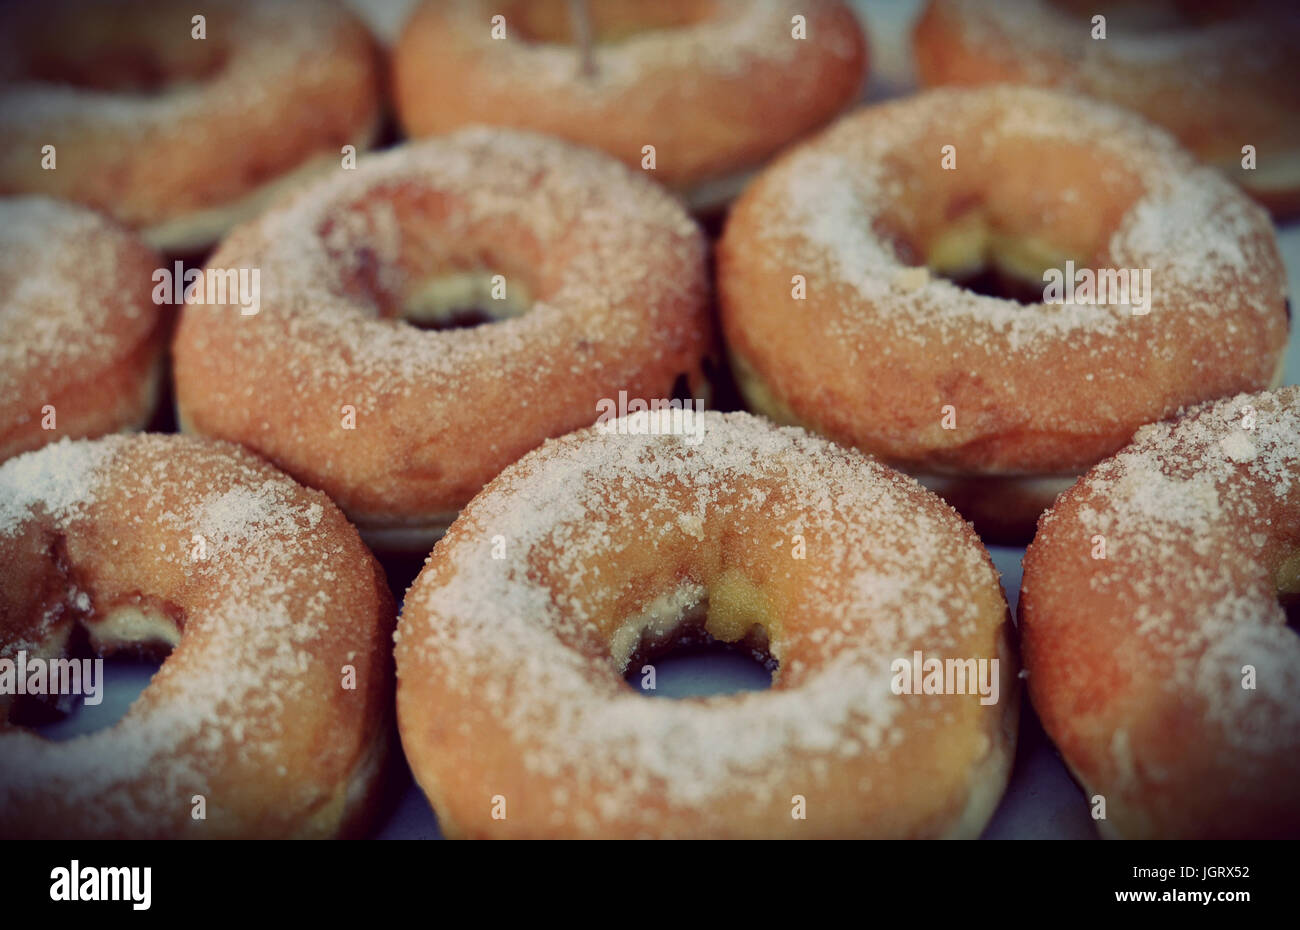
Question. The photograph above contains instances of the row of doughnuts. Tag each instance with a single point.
(105, 91)
(714, 88)
(271, 714)
(613, 276)
(826, 323)
(1001, 467)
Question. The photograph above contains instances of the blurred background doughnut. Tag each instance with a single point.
(715, 86)
(176, 127)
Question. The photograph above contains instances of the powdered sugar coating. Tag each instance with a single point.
(1151, 618)
(1209, 484)
(1201, 239)
(890, 569)
(70, 296)
(1216, 75)
(711, 89)
(614, 267)
(81, 343)
(310, 246)
(273, 593)
(832, 329)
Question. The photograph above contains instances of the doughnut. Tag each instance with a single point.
(1155, 636)
(260, 595)
(83, 346)
(177, 136)
(716, 86)
(603, 289)
(511, 704)
(1217, 75)
(842, 304)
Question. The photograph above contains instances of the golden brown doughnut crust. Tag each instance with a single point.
(1138, 662)
(716, 86)
(1217, 85)
(510, 689)
(267, 596)
(81, 333)
(879, 348)
(614, 267)
(155, 127)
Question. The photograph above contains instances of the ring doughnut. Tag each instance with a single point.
(603, 288)
(999, 402)
(1164, 671)
(264, 596)
(510, 687)
(715, 86)
(83, 347)
(178, 136)
(1218, 76)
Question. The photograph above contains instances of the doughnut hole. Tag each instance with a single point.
(699, 641)
(1009, 211)
(696, 590)
(120, 680)
(400, 257)
(612, 21)
(457, 299)
(56, 612)
(705, 581)
(978, 256)
(131, 50)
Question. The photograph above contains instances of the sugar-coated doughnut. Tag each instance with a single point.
(602, 545)
(1219, 76)
(82, 344)
(836, 317)
(601, 284)
(273, 706)
(715, 86)
(124, 107)
(1154, 631)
